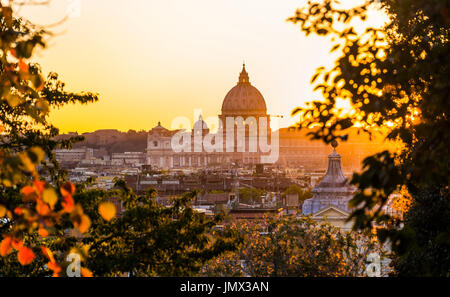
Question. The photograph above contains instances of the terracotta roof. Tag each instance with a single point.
(251, 213)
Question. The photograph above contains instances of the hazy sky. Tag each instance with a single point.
(154, 60)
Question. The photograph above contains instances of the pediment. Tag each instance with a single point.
(331, 212)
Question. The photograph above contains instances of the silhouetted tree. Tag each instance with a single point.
(396, 78)
(149, 239)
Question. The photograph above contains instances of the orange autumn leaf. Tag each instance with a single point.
(13, 52)
(18, 211)
(50, 197)
(84, 224)
(86, 272)
(40, 87)
(23, 66)
(5, 246)
(17, 244)
(27, 190)
(52, 265)
(26, 162)
(42, 208)
(48, 253)
(68, 203)
(29, 194)
(107, 210)
(25, 256)
(39, 185)
(67, 189)
(43, 232)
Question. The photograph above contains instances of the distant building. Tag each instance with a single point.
(134, 159)
(74, 155)
(291, 200)
(159, 150)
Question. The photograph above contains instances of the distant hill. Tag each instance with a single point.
(112, 141)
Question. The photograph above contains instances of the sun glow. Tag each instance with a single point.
(152, 61)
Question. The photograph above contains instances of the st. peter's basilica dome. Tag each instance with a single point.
(244, 99)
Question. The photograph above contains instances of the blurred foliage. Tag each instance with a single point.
(290, 246)
(396, 79)
(34, 213)
(425, 248)
(26, 96)
(41, 225)
(149, 239)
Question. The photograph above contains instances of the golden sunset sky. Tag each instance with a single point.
(154, 60)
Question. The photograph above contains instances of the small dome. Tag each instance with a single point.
(334, 177)
(244, 99)
(200, 124)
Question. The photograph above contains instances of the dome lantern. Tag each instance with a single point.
(243, 76)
